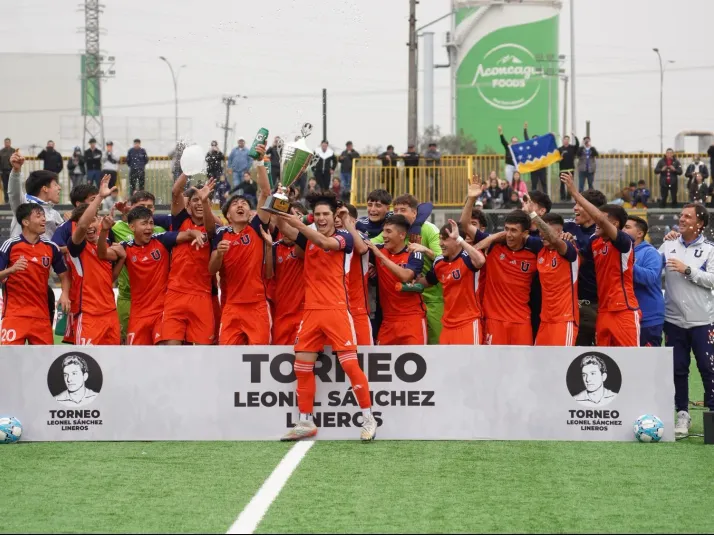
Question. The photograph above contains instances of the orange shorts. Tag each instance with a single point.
(145, 331)
(506, 333)
(285, 329)
(363, 330)
(618, 329)
(561, 334)
(70, 330)
(217, 311)
(98, 330)
(468, 334)
(247, 324)
(407, 331)
(16, 331)
(188, 318)
(325, 327)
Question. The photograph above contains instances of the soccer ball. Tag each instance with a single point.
(10, 429)
(649, 428)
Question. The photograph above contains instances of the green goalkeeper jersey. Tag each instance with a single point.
(122, 232)
(430, 240)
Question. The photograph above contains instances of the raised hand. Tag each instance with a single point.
(206, 191)
(17, 160)
(453, 229)
(122, 206)
(475, 188)
(567, 179)
(500, 129)
(260, 149)
(525, 125)
(528, 205)
(104, 189)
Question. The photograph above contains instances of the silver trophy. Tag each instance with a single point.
(295, 157)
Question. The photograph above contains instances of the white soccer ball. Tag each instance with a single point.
(649, 428)
(10, 429)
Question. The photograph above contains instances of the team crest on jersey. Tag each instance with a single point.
(312, 246)
(456, 274)
(156, 254)
(133, 258)
(525, 266)
(245, 239)
(698, 253)
(280, 260)
(540, 260)
(46, 261)
(502, 257)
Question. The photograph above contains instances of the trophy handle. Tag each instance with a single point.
(279, 147)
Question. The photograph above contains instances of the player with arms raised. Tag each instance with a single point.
(613, 253)
(326, 319)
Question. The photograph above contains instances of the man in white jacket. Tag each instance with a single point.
(689, 308)
(324, 166)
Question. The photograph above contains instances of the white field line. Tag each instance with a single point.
(254, 512)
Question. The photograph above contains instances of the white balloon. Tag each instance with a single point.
(193, 160)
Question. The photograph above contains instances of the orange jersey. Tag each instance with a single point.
(148, 267)
(289, 282)
(614, 262)
(26, 291)
(327, 289)
(508, 283)
(459, 281)
(395, 304)
(559, 284)
(242, 275)
(189, 266)
(95, 279)
(357, 281)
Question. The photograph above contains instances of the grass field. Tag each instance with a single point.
(351, 487)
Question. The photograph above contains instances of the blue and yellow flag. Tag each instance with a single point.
(536, 153)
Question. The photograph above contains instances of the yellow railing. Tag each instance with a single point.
(446, 184)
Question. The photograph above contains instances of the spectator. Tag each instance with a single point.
(641, 195)
(647, 273)
(510, 166)
(668, 169)
(76, 167)
(273, 153)
(697, 166)
(312, 188)
(109, 202)
(239, 162)
(93, 164)
(110, 164)
(336, 187)
(432, 159)
(222, 191)
(214, 162)
(513, 202)
(710, 153)
(539, 176)
(518, 185)
(51, 158)
(411, 157)
(324, 165)
(699, 191)
(247, 188)
(495, 191)
(346, 160)
(587, 164)
(389, 172)
(623, 199)
(506, 191)
(5, 166)
(567, 164)
(137, 159)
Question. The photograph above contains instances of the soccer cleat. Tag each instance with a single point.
(303, 429)
(684, 422)
(369, 429)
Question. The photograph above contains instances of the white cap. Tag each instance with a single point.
(241, 138)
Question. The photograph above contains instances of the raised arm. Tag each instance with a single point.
(475, 189)
(476, 256)
(14, 185)
(546, 230)
(322, 241)
(360, 247)
(504, 142)
(177, 199)
(104, 252)
(205, 195)
(600, 218)
(89, 215)
(263, 186)
(403, 274)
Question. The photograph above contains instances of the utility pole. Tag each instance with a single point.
(324, 114)
(565, 106)
(572, 63)
(228, 101)
(412, 129)
(174, 77)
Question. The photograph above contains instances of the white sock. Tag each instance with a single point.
(305, 417)
(366, 412)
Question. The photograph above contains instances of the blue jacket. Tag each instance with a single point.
(240, 162)
(648, 284)
(137, 159)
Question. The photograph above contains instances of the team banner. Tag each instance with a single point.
(419, 393)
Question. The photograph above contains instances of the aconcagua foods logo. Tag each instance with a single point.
(502, 78)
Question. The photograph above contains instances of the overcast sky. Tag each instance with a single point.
(281, 53)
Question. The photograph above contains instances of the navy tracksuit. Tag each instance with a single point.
(699, 340)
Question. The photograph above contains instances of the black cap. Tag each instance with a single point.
(137, 140)
(110, 143)
(432, 144)
(92, 140)
(348, 143)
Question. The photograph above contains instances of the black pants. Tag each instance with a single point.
(389, 179)
(5, 179)
(539, 177)
(323, 179)
(113, 179)
(51, 304)
(564, 193)
(586, 330)
(664, 190)
(684, 342)
(137, 178)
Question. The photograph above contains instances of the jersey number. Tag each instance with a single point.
(7, 335)
(130, 339)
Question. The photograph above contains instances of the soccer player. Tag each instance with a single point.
(97, 320)
(123, 233)
(188, 313)
(25, 263)
(612, 252)
(583, 228)
(541, 206)
(357, 283)
(689, 309)
(557, 265)
(457, 272)
(80, 194)
(239, 256)
(147, 262)
(326, 318)
(647, 276)
(404, 312)
(510, 268)
(288, 270)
